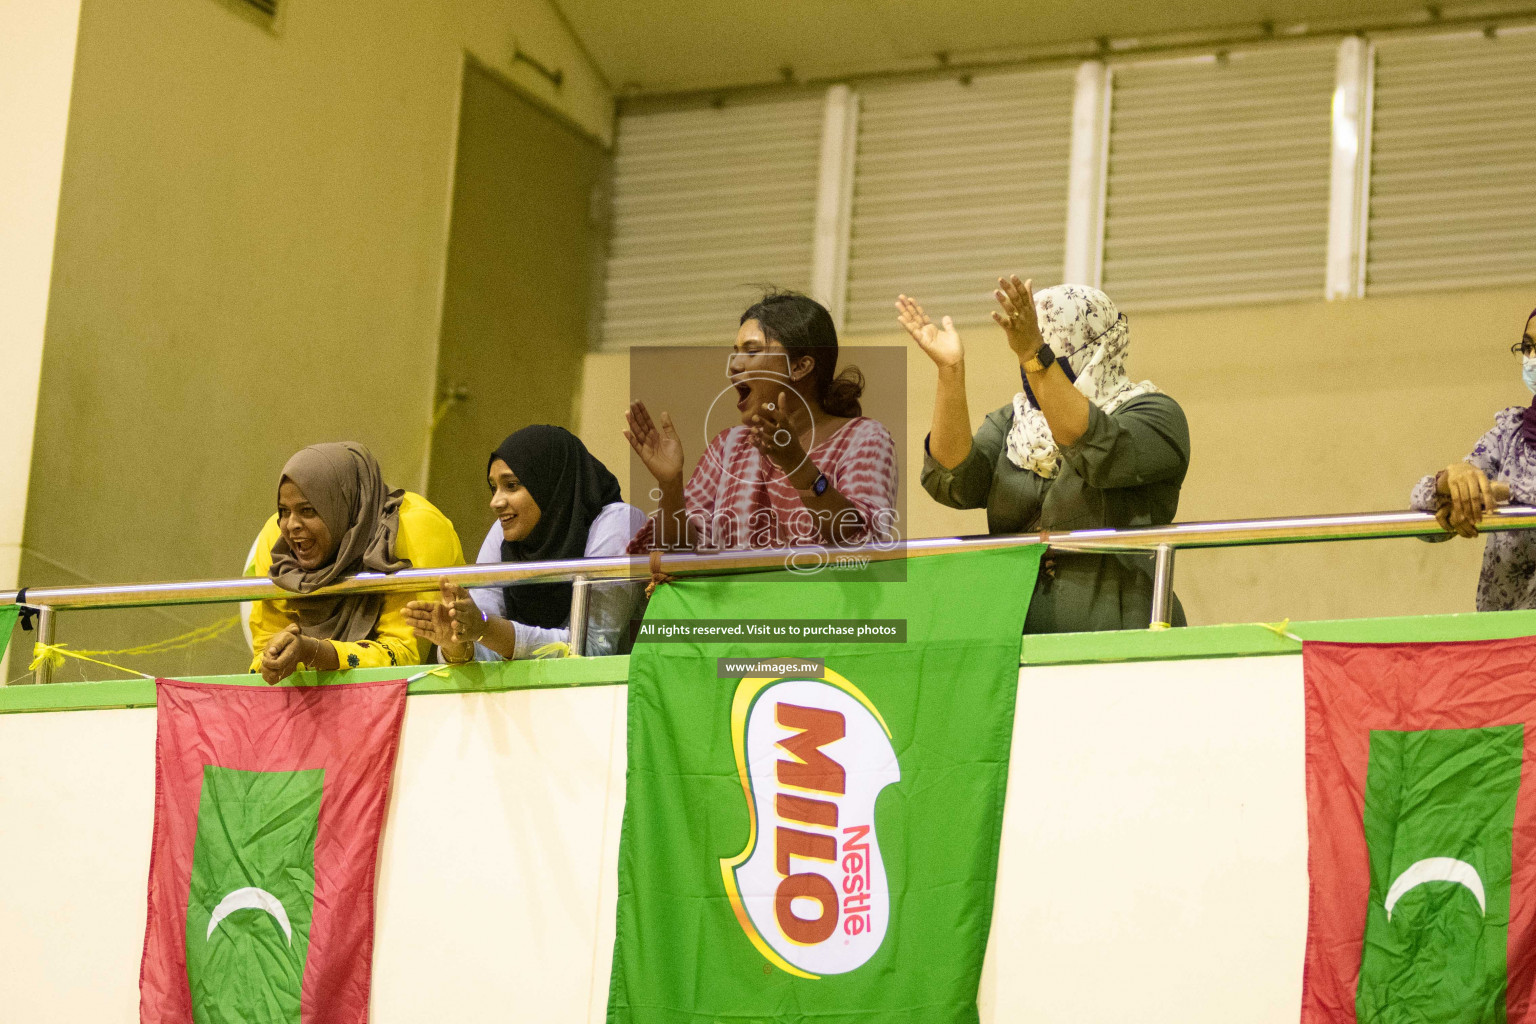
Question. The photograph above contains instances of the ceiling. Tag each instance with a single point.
(651, 46)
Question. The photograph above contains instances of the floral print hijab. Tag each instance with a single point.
(1083, 327)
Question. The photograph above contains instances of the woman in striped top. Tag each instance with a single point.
(805, 467)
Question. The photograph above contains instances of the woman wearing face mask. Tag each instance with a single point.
(1080, 447)
(805, 467)
(336, 518)
(1501, 466)
(553, 501)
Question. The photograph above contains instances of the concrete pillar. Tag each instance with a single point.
(37, 62)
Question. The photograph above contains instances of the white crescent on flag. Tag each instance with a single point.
(253, 898)
(1437, 869)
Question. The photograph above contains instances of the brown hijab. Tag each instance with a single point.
(344, 483)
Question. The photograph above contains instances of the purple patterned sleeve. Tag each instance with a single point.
(1485, 454)
(1422, 499)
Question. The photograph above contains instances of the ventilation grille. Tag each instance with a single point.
(1453, 163)
(708, 205)
(1218, 175)
(955, 185)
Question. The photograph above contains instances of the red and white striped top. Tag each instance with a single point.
(737, 499)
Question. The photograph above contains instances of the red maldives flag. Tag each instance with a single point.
(1421, 817)
(269, 804)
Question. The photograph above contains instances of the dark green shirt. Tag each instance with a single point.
(1126, 470)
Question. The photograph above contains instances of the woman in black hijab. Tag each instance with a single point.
(553, 501)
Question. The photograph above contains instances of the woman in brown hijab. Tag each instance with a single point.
(335, 518)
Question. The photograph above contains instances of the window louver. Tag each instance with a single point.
(1218, 176)
(708, 206)
(954, 185)
(1453, 193)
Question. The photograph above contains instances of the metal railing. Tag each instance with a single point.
(1160, 541)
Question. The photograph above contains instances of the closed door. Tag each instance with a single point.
(520, 277)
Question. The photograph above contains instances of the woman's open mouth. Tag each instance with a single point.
(744, 390)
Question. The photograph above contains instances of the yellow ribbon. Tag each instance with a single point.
(559, 649)
(53, 656)
(1280, 629)
(441, 670)
(191, 638)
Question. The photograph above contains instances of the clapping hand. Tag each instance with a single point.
(941, 344)
(659, 448)
(284, 652)
(453, 622)
(1018, 319)
(773, 434)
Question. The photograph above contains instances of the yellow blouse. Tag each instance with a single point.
(426, 538)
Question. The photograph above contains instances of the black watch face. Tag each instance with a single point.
(820, 486)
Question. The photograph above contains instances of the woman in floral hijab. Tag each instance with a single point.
(1080, 446)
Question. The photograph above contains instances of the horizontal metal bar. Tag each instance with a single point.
(1220, 534)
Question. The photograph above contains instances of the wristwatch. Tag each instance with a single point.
(818, 486)
(1042, 361)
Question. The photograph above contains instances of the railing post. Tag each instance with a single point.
(44, 671)
(580, 587)
(1162, 587)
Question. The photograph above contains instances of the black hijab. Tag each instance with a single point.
(570, 488)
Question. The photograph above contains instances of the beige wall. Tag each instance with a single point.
(497, 883)
(250, 256)
(35, 79)
(1295, 409)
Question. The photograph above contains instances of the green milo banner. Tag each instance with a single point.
(820, 845)
(8, 615)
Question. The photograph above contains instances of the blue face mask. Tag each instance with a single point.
(1528, 372)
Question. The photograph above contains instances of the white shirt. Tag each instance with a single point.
(610, 603)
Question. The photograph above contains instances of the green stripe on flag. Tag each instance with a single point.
(252, 894)
(1439, 821)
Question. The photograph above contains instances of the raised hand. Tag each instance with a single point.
(659, 448)
(1018, 319)
(942, 345)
